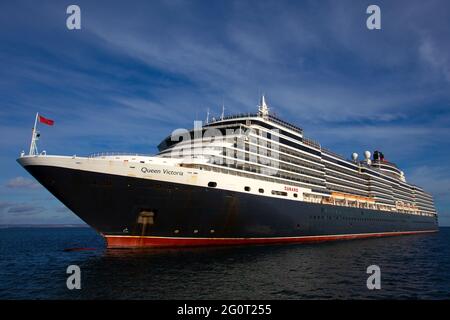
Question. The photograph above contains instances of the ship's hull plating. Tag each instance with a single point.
(186, 215)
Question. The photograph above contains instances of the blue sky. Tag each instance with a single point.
(139, 69)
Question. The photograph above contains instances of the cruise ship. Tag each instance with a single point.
(235, 180)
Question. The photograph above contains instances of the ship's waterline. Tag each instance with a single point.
(114, 241)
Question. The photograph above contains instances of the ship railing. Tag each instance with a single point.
(286, 124)
(253, 115)
(311, 142)
(110, 154)
(234, 116)
(333, 153)
(385, 162)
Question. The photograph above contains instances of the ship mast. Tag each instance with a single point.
(34, 138)
(263, 108)
(207, 116)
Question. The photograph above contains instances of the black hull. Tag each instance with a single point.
(113, 204)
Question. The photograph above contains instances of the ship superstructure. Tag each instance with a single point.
(263, 147)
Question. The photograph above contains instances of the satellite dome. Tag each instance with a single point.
(354, 156)
(367, 154)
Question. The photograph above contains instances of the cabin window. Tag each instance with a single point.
(212, 184)
(261, 190)
(279, 193)
(247, 188)
(295, 195)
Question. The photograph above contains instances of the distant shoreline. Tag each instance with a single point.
(69, 225)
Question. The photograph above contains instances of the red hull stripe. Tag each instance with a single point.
(149, 241)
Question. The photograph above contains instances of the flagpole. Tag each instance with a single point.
(33, 136)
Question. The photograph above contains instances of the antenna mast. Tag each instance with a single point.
(263, 108)
(207, 116)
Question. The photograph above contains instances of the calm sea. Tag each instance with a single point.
(33, 264)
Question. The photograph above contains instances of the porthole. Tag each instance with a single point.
(261, 190)
(247, 188)
(212, 184)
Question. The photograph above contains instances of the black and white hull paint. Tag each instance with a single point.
(136, 201)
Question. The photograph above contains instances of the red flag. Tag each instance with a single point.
(46, 121)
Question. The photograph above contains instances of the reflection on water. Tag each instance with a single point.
(33, 264)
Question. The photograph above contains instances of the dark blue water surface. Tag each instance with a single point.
(33, 264)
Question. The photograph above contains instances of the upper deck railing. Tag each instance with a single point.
(311, 143)
(234, 116)
(112, 154)
(386, 163)
(334, 154)
(256, 115)
(286, 124)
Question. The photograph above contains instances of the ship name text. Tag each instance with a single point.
(159, 171)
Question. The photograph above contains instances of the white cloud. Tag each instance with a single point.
(436, 57)
(435, 180)
(22, 183)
